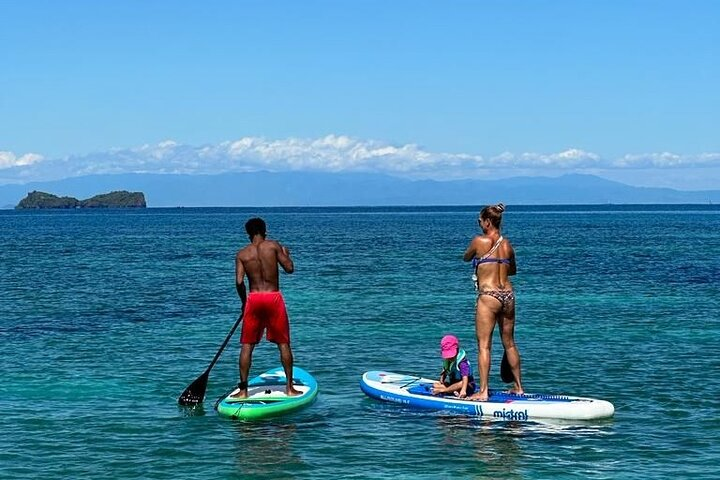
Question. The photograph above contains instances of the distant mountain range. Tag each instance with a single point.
(261, 189)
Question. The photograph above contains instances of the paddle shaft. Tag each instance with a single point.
(224, 344)
(195, 392)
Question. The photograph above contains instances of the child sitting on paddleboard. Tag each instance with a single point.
(456, 376)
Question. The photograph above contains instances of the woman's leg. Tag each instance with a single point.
(485, 312)
(507, 333)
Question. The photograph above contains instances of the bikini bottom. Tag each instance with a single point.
(505, 297)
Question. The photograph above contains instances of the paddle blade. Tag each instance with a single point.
(506, 373)
(194, 394)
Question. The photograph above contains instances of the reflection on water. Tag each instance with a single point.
(263, 449)
(495, 448)
(492, 447)
(194, 411)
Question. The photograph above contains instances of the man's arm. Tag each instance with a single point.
(239, 280)
(285, 260)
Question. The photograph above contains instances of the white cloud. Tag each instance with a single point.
(331, 153)
(334, 153)
(9, 159)
(571, 158)
(667, 160)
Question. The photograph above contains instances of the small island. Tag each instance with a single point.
(118, 199)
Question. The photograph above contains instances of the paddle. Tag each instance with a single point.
(195, 392)
(397, 378)
(505, 371)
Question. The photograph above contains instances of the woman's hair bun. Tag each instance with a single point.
(500, 207)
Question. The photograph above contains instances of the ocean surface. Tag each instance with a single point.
(106, 316)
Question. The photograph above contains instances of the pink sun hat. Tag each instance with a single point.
(449, 346)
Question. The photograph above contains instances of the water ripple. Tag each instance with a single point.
(105, 317)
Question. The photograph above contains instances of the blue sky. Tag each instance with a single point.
(624, 89)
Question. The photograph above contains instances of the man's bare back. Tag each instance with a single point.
(259, 261)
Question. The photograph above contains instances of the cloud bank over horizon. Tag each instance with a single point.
(340, 153)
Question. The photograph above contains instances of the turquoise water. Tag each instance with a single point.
(106, 316)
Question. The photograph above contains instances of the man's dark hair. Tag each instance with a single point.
(255, 226)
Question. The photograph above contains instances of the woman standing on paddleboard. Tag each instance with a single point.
(493, 260)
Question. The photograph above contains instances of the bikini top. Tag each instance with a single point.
(488, 259)
(478, 261)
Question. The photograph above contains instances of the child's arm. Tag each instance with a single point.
(439, 386)
(463, 388)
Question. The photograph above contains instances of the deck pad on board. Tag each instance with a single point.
(267, 397)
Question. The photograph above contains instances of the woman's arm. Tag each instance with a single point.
(512, 268)
(470, 250)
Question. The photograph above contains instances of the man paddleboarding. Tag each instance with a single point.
(264, 307)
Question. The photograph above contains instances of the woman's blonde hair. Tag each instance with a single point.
(493, 213)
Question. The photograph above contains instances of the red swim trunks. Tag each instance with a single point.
(265, 310)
